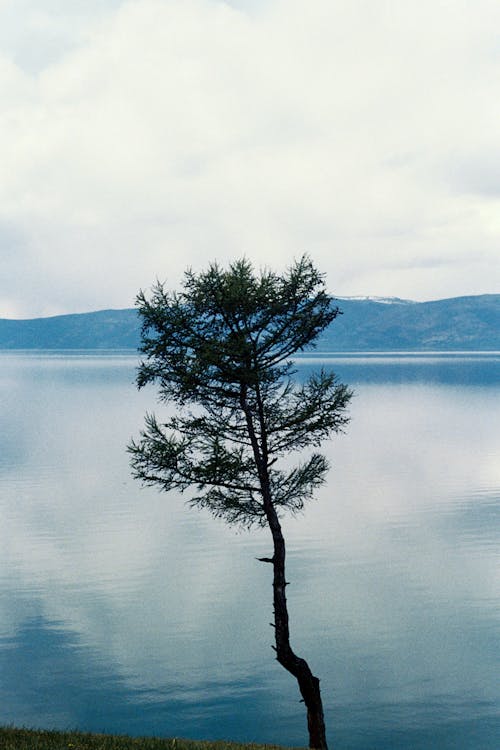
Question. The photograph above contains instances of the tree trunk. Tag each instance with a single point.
(308, 683)
(299, 668)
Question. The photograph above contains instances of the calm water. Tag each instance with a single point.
(122, 610)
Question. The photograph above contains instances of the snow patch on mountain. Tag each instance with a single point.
(381, 300)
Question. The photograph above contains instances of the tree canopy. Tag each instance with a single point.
(224, 344)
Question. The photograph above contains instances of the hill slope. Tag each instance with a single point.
(460, 323)
(105, 329)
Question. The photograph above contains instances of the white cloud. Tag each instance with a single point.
(161, 133)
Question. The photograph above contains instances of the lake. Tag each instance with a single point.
(122, 610)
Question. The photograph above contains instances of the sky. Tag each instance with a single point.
(142, 137)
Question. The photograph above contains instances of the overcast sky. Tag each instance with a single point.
(140, 137)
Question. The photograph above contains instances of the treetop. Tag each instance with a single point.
(221, 350)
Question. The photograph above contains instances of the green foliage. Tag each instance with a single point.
(221, 350)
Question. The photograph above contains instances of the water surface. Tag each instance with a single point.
(122, 610)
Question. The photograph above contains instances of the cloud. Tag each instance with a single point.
(35, 34)
(154, 134)
(477, 173)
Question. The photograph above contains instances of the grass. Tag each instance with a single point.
(32, 739)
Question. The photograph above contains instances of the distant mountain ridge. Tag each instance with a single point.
(104, 329)
(458, 323)
(366, 324)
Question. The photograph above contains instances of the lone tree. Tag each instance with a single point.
(220, 349)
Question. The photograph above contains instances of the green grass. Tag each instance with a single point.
(32, 739)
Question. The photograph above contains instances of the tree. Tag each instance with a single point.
(220, 349)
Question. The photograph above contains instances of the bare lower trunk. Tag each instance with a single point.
(308, 683)
(299, 668)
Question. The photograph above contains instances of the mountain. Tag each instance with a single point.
(459, 323)
(105, 329)
(366, 324)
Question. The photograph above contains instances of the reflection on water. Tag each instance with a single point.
(459, 368)
(122, 610)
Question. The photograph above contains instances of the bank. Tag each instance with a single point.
(12, 738)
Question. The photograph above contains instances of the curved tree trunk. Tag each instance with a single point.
(299, 668)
